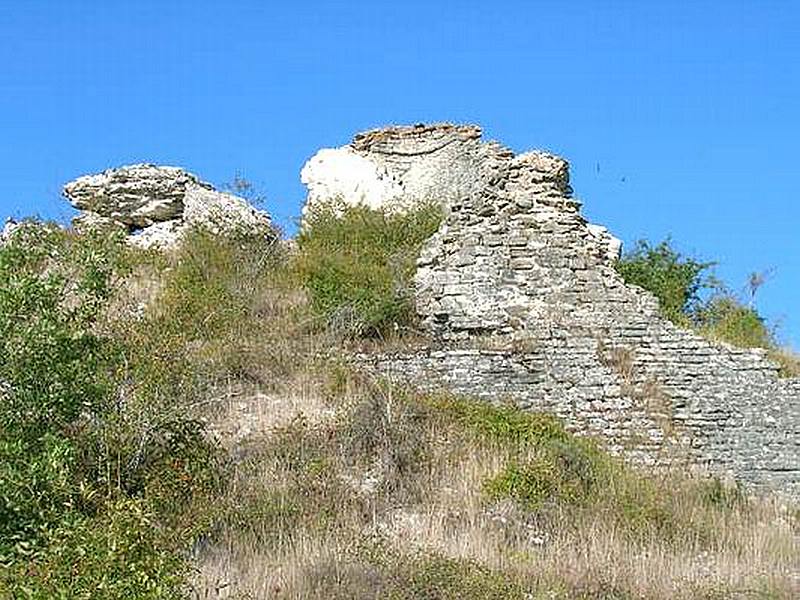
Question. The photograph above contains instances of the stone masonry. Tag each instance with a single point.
(522, 303)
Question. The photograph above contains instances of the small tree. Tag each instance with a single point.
(677, 281)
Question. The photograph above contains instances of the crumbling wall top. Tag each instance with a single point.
(414, 140)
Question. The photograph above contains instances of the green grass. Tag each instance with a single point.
(358, 266)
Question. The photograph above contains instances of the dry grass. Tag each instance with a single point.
(788, 360)
(373, 539)
(344, 488)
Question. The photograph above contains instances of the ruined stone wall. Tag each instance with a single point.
(522, 303)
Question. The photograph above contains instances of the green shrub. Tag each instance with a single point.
(121, 553)
(358, 265)
(56, 374)
(725, 318)
(561, 472)
(677, 281)
(87, 459)
(503, 424)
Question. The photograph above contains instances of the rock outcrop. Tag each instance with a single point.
(521, 301)
(156, 205)
(9, 227)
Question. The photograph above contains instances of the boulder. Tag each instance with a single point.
(223, 213)
(135, 195)
(156, 205)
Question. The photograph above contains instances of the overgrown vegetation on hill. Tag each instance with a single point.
(183, 426)
(690, 296)
(357, 265)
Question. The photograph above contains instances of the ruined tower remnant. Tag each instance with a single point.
(522, 302)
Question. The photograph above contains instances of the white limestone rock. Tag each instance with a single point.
(342, 177)
(157, 205)
(216, 212)
(136, 195)
(395, 168)
(88, 221)
(223, 213)
(611, 246)
(159, 236)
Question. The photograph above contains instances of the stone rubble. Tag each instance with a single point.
(522, 302)
(156, 205)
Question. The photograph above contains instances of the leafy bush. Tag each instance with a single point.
(679, 282)
(675, 280)
(88, 462)
(357, 265)
(55, 372)
(121, 553)
(503, 424)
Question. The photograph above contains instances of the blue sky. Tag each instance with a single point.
(691, 110)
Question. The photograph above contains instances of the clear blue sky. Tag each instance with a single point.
(690, 109)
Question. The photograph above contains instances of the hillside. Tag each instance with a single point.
(447, 393)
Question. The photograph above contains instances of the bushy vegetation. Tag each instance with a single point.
(60, 469)
(100, 459)
(677, 281)
(180, 426)
(690, 296)
(357, 265)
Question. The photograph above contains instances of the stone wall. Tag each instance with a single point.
(521, 301)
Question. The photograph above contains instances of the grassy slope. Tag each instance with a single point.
(337, 486)
(346, 487)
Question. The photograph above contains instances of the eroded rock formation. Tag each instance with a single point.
(156, 205)
(522, 302)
